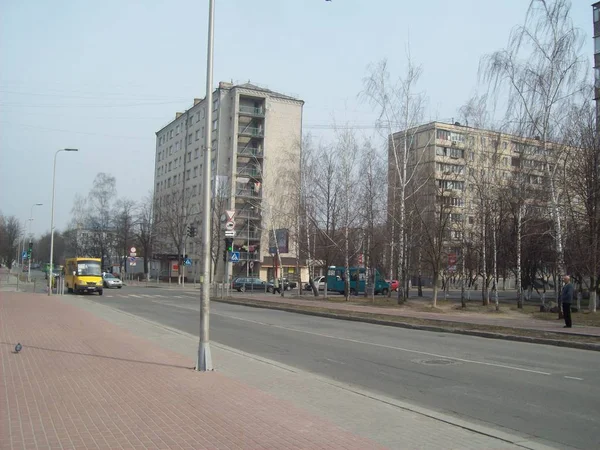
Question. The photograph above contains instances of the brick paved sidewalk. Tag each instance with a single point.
(458, 317)
(81, 382)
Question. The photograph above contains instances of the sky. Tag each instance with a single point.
(103, 77)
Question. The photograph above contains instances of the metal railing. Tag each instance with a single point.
(252, 131)
(249, 171)
(248, 193)
(250, 151)
(249, 256)
(252, 110)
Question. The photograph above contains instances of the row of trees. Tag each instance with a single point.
(535, 219)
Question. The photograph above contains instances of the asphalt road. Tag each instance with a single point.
(543, 391)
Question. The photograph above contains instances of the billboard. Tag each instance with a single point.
(283, 241)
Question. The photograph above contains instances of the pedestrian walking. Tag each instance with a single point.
(566, 298)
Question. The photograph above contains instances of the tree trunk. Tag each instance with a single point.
(592, 301)
(495, 266)
(435, 289)
(518, 286)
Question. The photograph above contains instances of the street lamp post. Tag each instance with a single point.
(204, 360)
(29, 234)
(50, 266)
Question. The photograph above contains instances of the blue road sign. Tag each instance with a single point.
(24, 254)
(188, 262)
(132, 259)
(234, 256)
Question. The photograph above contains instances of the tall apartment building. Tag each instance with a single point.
(449, 165)
(256, 150)
(596, 16)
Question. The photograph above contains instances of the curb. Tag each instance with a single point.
(440, 329)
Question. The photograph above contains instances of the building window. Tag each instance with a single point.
(189, 138)
(188, 174)
(169, 182)
(171, 134)
(443, 135)
(596, 14)
(456, 218)
(177, 129)
(196, 153)
(170, 163)
(597, 44)
(451, 184)
(202, 131)
(197, 134)
(215, 104)
(215, 124)
(457, 137)
(195, 171)
(471, 220)
(456, 235)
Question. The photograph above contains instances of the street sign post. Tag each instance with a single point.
(230, 233)
(234, 256)
(187, 262)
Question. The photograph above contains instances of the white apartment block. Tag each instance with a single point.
(449, 164)
(256, 151)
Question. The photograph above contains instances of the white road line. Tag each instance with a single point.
(574, 378)
(391, 347)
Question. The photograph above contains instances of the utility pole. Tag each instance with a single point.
(204, 360)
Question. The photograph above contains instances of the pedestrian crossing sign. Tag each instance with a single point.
(234, 256)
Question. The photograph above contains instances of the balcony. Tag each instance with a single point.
(251, 111)
(249, 171)
(250, 131)
(249, 256)
(254, 152)
(252, 236)
(250, 193)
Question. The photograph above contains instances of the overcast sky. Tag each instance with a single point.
(103, 77)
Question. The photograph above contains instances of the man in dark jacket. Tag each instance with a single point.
(566, 298)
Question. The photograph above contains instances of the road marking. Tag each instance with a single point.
(391, 347)
(574, 378)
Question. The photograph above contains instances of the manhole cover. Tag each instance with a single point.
(435, 362)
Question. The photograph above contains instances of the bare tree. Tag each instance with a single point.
(541, 69)
(124, 230)
(172, 214)
(583, 190)
(145, 230)
(10, 233)
(99, 218)
(400, 107)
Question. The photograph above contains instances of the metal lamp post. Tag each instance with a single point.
(50, 266)
(29, 234)
(204, 360)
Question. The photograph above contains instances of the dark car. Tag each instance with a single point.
(243, 284)
(287, 285)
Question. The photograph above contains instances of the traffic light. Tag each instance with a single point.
(29, 250)
(229, 244)
(191, 230)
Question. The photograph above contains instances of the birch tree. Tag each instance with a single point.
(400, 107)
(541, 71)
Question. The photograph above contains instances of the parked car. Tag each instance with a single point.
(248, 284)
(56, 272)
(319, 283)
(393, 285)
(110, 281)
(287, 285)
